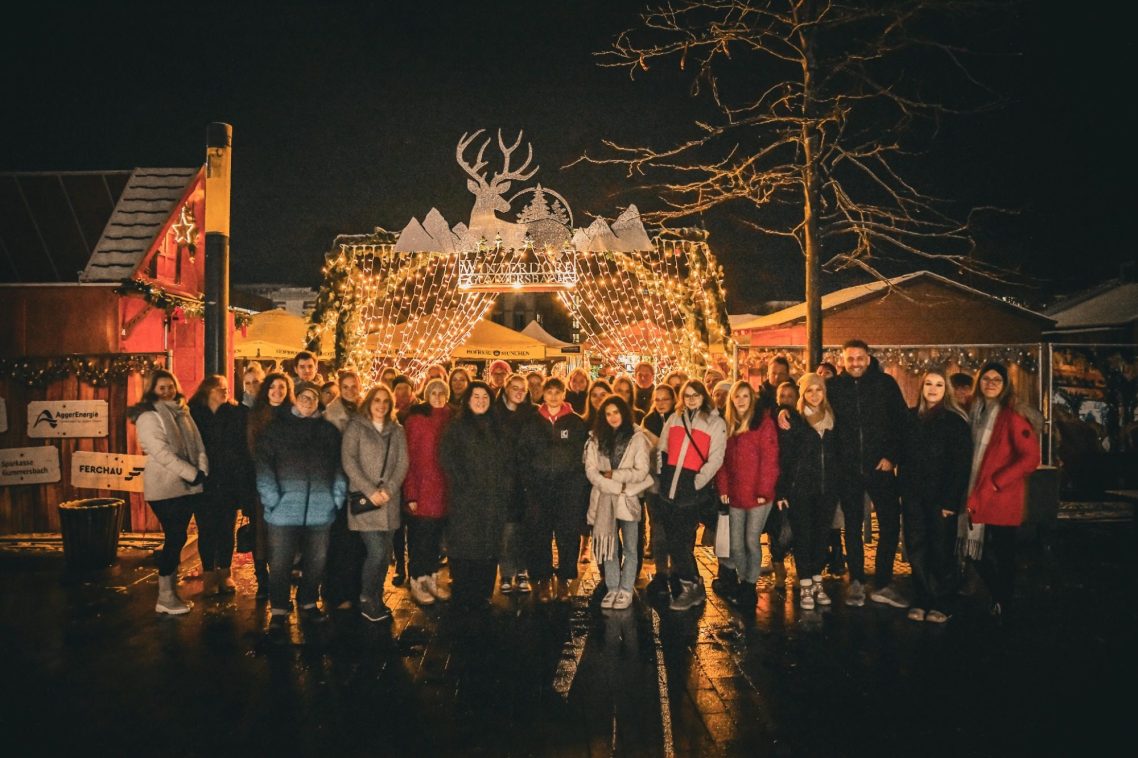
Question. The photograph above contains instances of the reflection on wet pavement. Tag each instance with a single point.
(90, 662)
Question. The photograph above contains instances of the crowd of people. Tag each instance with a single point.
(485, 478)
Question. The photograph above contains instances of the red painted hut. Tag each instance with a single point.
(101, 278)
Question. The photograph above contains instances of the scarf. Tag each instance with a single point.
(969, 536)
(604, 509)
(185, 441)
(820, 425)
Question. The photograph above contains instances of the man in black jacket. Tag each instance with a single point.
(871, 418)
(554, 441)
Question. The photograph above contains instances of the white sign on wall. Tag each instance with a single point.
(29, 465)
(107, 471)
(3, 416)
(67, 418)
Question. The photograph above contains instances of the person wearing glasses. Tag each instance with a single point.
(692, 444)
(1005, 452)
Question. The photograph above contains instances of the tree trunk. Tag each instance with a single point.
(810, 241)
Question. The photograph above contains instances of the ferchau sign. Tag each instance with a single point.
(107, 471)
(67, 418)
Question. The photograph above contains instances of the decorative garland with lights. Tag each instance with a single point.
(913, 360)
(170, 303)
(384, 307)
(96, 370)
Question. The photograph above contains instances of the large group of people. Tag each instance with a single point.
(512, 482)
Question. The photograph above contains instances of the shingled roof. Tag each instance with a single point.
(91, 226)
(146, 203)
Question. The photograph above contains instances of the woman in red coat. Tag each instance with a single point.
(1005, 452)
(746, 482)
(424, 492)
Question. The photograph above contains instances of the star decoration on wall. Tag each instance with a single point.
(186, 231)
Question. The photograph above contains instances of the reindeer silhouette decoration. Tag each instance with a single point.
(489, 195)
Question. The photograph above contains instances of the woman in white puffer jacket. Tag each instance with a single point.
(176, 468)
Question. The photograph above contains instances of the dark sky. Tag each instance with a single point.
(346, 115)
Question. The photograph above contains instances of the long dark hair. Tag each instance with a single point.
(262, 412)
(590, 414)
(706, 407)
(605, 434)
(148, 393)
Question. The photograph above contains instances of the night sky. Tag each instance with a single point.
(346, 115)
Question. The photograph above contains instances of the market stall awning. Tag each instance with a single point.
(275, 334)
(487, 341)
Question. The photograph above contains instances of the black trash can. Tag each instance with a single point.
(91, 531)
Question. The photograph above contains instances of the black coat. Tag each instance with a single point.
(231, 480)
(512, 425)
(480, 482)
(937, 461)
(871, 419)
(808, 463)
(555, 451)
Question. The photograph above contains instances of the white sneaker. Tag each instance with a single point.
(623, 600)
(820, 596)
(419, 592)
(608, 600)
(439, 591)
(806, 595)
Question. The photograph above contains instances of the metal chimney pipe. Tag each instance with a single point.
(219, 141)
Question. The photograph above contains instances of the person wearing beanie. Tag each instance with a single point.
(1005, 452)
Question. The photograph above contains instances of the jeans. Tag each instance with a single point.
(746, 530)
(174, 515)
(216, 522)
(374, 572)
(284, 542)
(680, 518)
(882, 489)
(424, 541)
(345, 557)
(620, 569)
(510, 555)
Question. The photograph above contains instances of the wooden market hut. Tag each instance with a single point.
(909, 322)
(101, 278)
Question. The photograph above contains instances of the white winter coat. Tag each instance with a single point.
(175, 452)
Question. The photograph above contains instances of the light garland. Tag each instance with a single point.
(408, 310)
(913, 360)
(96, 370)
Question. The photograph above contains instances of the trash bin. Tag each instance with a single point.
(90, 530)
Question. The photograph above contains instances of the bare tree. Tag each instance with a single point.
(821, 109)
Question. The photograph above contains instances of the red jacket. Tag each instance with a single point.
(425, 483)
(1001, 486)
(750, 465)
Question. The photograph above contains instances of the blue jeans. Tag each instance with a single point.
(746, 552)
(284, 541)
(379, 547)
(620, 570)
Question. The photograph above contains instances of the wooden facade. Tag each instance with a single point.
(151, 239)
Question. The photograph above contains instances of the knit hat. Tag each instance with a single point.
(496, 365)
(996, 366)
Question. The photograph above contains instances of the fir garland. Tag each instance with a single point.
(160, 298)
(96, 370)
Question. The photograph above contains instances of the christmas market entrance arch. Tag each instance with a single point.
(410, 299)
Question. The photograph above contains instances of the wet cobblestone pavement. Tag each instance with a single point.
(91, 667)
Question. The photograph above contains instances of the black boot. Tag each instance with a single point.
(724, 585)
(658, 586)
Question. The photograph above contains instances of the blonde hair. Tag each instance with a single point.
(737, 424)
(824, 409)
(436, 382)
(949, 400)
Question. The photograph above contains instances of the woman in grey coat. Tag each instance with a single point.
(374, 456)
(176, 468)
